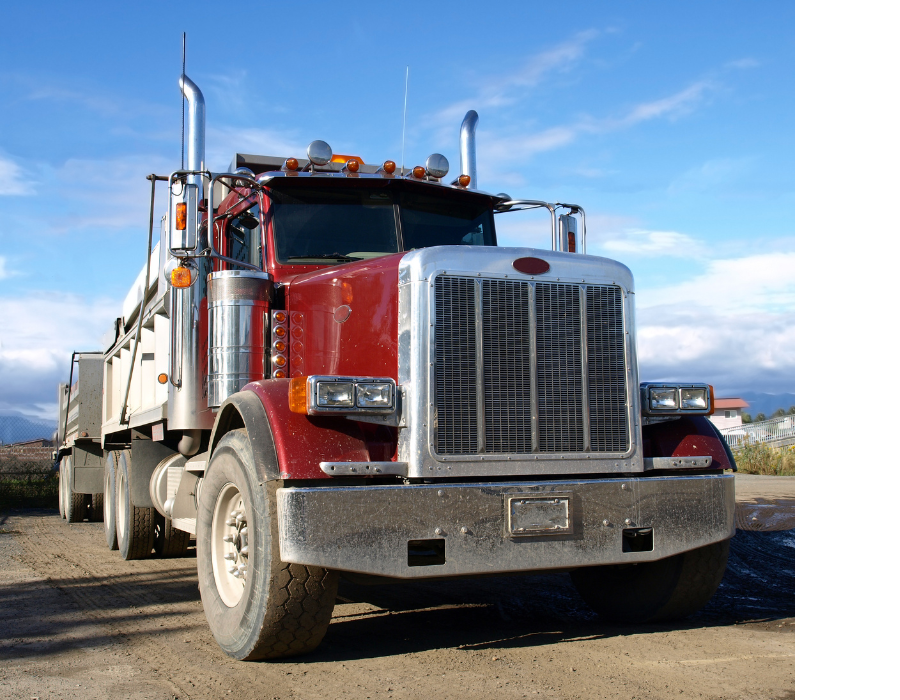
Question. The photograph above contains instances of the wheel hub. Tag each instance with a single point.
(237, 554)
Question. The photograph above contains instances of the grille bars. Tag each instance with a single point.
(567, 395)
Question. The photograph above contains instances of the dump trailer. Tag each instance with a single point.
(328, 368)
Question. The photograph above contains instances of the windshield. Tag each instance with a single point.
(341, 224)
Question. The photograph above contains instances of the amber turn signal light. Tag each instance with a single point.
(464, 180)
(162, 378)
(297, 395)
(181, 216)
(181, 277)
(389, 167)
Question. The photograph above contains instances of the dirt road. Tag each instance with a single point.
(79, 622)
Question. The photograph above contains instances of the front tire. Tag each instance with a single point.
(257, 606)
(653, 591)
(134, 526)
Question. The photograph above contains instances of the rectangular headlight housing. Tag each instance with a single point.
(659, 399)
(350, 395)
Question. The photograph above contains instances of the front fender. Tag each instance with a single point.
(288, 445)
(689, 436)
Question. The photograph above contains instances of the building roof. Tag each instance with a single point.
(730, 403)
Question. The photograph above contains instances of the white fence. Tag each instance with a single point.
(775, 430)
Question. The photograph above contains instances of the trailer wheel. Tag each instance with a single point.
(109, 501)
(655, 591)
(134, 526)
(95, 508)
(61, 488)
(75, 503)
(257, 606)
(168, 540)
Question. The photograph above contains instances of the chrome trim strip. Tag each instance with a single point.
(479, 366)
(532, 362)
(363, 468)
(677, 463)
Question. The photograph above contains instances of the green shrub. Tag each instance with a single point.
(759, 458)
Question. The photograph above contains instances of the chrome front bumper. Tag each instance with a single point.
(368, 529)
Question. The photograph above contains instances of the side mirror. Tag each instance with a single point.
(568, 233)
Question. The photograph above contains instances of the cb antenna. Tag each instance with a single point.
(183, 55)
(403, 139)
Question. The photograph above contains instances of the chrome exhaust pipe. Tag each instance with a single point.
(467, 147)
(196, 136)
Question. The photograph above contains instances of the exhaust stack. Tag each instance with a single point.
(467, 147)
(188, 362)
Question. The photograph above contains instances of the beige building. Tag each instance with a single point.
(727, 412)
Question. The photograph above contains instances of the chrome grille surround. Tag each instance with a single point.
(505, 357)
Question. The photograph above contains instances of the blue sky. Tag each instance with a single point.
(672, 124)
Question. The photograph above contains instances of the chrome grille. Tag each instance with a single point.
(528, 367)
(558, 335)
(507, 382)
(455, 370)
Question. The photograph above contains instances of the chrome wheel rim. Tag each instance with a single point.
(230, 545)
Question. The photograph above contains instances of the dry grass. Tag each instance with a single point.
(759, 458)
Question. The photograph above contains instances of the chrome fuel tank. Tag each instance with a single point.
(239, 303)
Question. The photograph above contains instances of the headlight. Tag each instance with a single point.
(325, 395)
(663, 398)
(334, 394)
(374, 395)
(694, 398)
(676, 399)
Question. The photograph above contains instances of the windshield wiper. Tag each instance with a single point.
(334, 256)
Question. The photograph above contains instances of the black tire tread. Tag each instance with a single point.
(304, 602)
(96, 510)
(141, 544)
(701, 574)
(109, 524)
(76, 503)
(168, 540)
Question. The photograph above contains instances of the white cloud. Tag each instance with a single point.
(652, 243)
(734, 351)
(224, 142)
(14, 181)
(762, 282)
(677, 105)
(37, 337)
(710, 175)
(733, 326)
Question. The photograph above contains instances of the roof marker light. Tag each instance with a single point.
(464, 180)
(418, 172)
(389, 167)
(291, 164)
(353, 165)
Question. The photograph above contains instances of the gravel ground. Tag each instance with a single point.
(79, 621)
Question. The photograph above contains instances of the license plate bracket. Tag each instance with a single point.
(539, 516)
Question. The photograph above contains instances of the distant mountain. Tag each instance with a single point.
(17, 428)
(766, 403)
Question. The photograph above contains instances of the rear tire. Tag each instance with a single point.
(271, 609)
(61, 489)
(75, 503)
(168, 540)
(654, 591)
(109, 501)
(95, 508)
(134, 526)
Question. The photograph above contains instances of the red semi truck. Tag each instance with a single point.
(329, 368)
